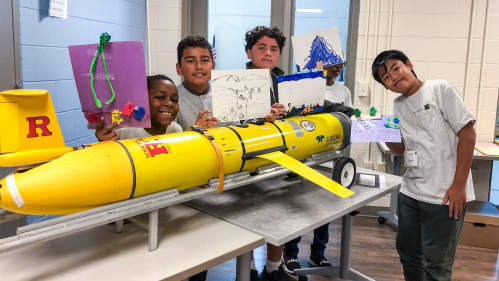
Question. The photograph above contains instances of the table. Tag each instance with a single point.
(281, 209)
(396, 163)
(189, 242)
(392, 214)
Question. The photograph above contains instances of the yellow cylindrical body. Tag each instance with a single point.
(114, 171)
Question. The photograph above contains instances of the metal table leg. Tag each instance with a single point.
(344, 271)
(119, 226)
(392, 214)
(243, 267)
(153, 230)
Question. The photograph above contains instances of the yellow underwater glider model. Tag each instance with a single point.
(55, 179)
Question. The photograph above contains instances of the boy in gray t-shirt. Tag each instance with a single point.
(438, 141)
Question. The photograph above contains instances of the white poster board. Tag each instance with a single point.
(322, 45)
(240, 94)
(302, 93)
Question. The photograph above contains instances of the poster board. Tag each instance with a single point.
(240, 94)
(376, 130)
(322, 45)
(126, 71)
(302, 93)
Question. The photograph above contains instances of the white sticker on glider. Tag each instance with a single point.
(14, 192)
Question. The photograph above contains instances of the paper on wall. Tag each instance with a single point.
(58, 8)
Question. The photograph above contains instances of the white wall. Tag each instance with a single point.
(164, 34)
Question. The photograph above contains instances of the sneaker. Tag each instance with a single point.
(276, 275)
(318, 261)
(254, 275)
(290, 264)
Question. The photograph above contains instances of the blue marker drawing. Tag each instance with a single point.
(321, 51)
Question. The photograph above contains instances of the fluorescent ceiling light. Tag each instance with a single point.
(309, 10)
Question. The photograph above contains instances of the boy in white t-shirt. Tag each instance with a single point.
(438, 141)
(336, 92)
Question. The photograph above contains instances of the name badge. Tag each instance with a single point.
(411, 159)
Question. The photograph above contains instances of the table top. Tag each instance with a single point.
(476, 155)
(189, 242)
(281, 209)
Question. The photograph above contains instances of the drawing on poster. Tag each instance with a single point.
(385, 129)
(322, 45)
(240, 94)
(302, 93)
(110, 78)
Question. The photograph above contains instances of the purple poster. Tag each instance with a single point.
(385, 129)
(126, 76)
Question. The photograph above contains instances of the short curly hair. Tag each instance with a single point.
(192, 41)
(256, 33)
(152, 78)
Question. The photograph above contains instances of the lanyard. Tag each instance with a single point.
(415, 122)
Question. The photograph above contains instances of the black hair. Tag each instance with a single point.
(152, 78)
(382, 59)
(192, 41)
(256, 33)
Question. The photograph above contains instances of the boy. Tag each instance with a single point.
(335, 92)
(163, 107)
(337, 98)
(195, 62)
(263, 47)
(438, 142)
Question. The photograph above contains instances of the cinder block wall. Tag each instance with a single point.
(165, 33)
(434, 34)
(45, 62)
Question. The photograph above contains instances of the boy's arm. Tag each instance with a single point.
(106, 133)
(398, 148)
(456, 194)
(206, 122)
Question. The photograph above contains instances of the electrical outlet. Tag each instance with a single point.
(362, 89)
(382, 167)
(368, 165)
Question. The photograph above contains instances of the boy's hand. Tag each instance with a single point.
(281, 110)
(274, 113)
(456, 196)
(102, 133)
(206, 122)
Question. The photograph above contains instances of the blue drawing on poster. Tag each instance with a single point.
(321, 51)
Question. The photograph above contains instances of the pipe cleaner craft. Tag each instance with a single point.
(113, 86)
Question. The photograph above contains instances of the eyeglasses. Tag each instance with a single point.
(340, 65)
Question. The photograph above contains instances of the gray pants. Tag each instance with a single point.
(426, 239)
